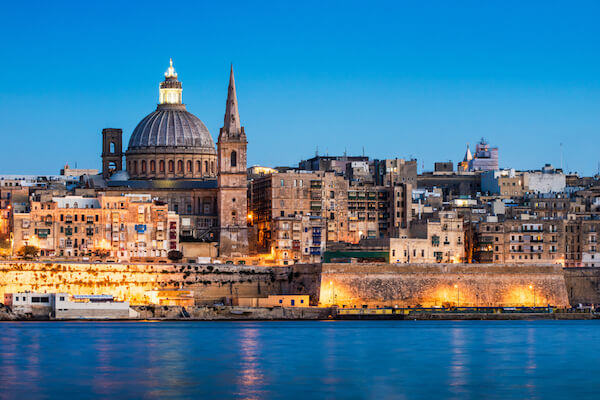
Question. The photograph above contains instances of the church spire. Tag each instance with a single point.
(231, 125)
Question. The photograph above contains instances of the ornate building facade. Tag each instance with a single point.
(172, 156)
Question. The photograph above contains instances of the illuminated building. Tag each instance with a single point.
(122, 227)
(171, 155)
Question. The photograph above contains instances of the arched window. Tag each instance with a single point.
(135, 167)
(161, 165)
(152, 166)
(233, 159)
(112, 147)
(179, 166)
(198, 166)
(206, 167)
(171, 166)
(212, 167)
(143, 166)
(189, 166)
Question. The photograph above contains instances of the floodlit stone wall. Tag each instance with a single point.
(209, 283)
(431, 285)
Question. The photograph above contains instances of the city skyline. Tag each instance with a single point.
(339, 86)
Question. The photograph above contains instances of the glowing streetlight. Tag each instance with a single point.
(533, 293)
(457, 295)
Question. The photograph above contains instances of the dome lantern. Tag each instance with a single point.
(170, 91)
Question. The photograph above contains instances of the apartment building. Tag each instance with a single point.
(122, 227)
(434, 240)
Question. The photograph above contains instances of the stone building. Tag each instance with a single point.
(524, 240)
(172, 156)
(298, 239)
(433, 240)
(122, 227)
(298, 193)
(171, 142)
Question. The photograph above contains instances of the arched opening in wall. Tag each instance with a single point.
(112, 147)
(188, 166)
(143, 166)
(206, 167)
(129, 166)
(198, 167)
(179, 166)
(112, 166)
(212, 167)
(171, 166)
(233, 159)
(161, 166)
(152, 166)
(135, 166)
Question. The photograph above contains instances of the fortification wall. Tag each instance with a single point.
(442, 284)
(583, 285)
(209, 283)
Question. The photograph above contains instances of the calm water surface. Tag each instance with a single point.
(301, 360)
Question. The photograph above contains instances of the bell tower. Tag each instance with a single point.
(112, 151)
(232, 180)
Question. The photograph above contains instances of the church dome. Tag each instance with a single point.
(171, 126)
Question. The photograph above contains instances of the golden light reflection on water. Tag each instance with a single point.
(251, 380)
(458, 362)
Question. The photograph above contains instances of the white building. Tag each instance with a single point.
(547, 180)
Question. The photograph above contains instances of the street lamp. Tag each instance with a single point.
(533, 293)
(457, 295)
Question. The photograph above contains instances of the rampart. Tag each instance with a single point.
(209, 283)
(432, 285)
(583, 285)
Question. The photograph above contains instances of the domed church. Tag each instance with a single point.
(171, 155)
(171, 143)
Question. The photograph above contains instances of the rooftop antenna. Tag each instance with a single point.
(363, 151)
(317, 152)
(561, 156)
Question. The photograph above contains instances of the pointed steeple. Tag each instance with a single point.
(231, 125)
(468, 155)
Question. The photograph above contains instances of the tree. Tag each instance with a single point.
(28, 252)
(175, 255)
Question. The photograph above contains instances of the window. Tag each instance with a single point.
(212, 167)
(189, 166)
(112, 147)
(206, 166)
(135, 167)
(198, 167)
(233, 159)
(152, 166)
(179, 166)
(143, 166)
(161, 166)
(171, 166)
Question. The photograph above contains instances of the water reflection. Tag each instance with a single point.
(301, 360)
(458, 361)
(250, 379)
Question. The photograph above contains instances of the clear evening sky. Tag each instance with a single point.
(402, 79)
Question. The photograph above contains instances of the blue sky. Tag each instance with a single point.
(402, 79)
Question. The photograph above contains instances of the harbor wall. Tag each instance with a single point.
(583, 285)
(436, 285)
(343, 284)
(210, 284)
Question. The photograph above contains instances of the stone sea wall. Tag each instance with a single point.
(432, 285)
(343, 284)
(583, 285)
(209, 283)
